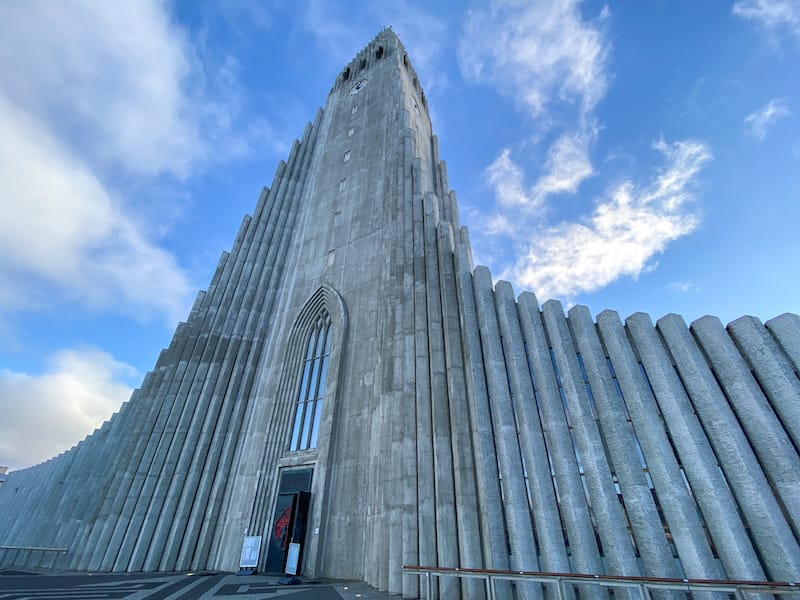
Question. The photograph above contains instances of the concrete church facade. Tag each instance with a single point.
(349, 381)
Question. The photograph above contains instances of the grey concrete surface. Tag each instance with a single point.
(24, 585)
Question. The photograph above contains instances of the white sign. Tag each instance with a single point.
(250, 550)
(292, 558)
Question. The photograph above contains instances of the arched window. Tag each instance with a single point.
(312, 385)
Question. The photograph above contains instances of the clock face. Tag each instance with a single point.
(358, 87)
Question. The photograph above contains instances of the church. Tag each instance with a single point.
(351, 394)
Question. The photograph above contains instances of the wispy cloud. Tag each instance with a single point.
(757, 123)
(683, 287)
(546, 57)
(622, 235)
(536, 51)
(78, 391)
(565, 167)
(64, 236)
(117, 80)
(96, 95)
(554, 63)
(773, 15)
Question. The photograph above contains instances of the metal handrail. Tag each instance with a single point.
(35, 548)
(643, 584)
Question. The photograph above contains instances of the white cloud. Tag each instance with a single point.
(758, 122)
(771, 14)
(683, 287)
(536, 51)
(63, 236)
(114, 77)
(43, 415)
(546, 57)
(97, 95)
(565, 167)
(507, 178)
(622, 235)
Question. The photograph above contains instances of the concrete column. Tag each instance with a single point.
(140, 413)
(768, 528)
(609, 519)
(516, 324)
(95, 495)
(446, 528)
(492, 524)
(198, 468)
(699, 463)
(572, 499)
(172, 443)
(772, 369)
(776, 454)
(236, 389)
(515, 496)
(469, 546)
(278, 224)
(410, 535)
(426, 485)
(678, 505)
(786, 329)
(620, 441)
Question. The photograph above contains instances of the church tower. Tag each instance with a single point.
(351, 392)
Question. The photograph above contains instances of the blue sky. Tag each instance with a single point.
(639, 156)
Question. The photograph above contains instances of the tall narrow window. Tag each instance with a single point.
(312, 386)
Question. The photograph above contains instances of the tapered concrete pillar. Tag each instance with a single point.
(426, 486)
(776, 454)
(549, 530)
(446, 528)
(515, 496)
(678, 506)
(493, 530)
(469, 539)
(786, 329)
(772, 369)
(609, 519)
(573, 501)
(621, 442)
(767, 525)
(696, 456)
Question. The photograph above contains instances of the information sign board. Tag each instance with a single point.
(251, 547)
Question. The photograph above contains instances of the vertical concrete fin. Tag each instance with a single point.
(773, 371)
(515, 504)
(786, 329)
(557, 419)
(765, 433)
(487, 477)
(609, 518)
(695, 453)
(623, 449)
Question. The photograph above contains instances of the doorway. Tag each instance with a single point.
(289, 519)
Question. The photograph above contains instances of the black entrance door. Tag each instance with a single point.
(289, 519)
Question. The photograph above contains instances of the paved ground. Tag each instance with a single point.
(174, 586)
